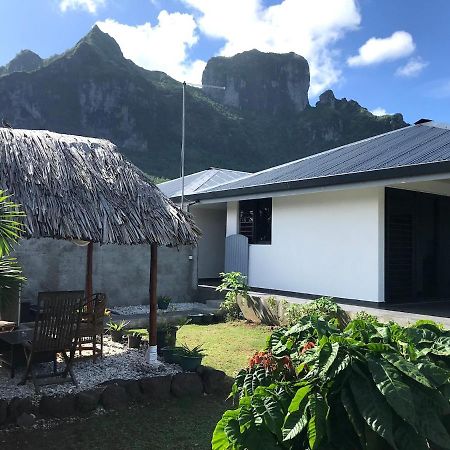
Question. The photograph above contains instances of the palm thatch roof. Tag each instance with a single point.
(73, 187)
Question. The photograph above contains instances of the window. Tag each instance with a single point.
(255, 220)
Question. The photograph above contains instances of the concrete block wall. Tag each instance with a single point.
(120, 271)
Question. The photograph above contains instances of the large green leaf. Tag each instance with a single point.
(297, 417)
(373, 407)
(429, 423)
(353, 414)
(220, 439)
(300, 396)
(406, 438)
(318, 409)
(327, 356)
(407, 368)
(437, 375)
(269, 411)
(294, 424)
(389, 382)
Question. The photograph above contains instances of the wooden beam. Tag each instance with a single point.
(89, 257)
(152, 294)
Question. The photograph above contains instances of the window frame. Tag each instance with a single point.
(260, 225)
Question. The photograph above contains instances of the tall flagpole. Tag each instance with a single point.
(183, 120)
(183, 124)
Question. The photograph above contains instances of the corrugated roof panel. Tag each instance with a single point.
(426, 143)
(198, 181)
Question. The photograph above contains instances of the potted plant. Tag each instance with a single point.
(189, 358)
(164, 302)
(166, 335)
(135, 338)
(170, 354)
(116, 330)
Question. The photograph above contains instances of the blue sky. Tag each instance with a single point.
(388, 55)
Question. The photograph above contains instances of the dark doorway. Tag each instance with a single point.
(417, 246)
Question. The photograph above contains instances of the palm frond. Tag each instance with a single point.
(10, 227)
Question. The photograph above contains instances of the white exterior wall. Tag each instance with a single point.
(327, 243)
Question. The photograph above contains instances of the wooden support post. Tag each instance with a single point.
(89, 265)
(152, 294)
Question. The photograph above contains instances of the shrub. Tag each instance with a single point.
(366, 317)
(164, 302)
(234, 284)
(323, 307)
(369, 386)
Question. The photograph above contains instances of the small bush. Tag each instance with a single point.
(366, 317)
(164, 302)
(234, 284)
(323, 307)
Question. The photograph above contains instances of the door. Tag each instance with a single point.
(417, 246)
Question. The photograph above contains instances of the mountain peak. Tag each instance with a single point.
(24, 61)
(256, 81)
(102, 43)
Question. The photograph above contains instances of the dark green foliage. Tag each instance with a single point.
(369, 386)
(234, 284)
(323, 307)
(164, 302)
(93, 90)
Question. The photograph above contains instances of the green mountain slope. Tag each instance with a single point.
(93, 90)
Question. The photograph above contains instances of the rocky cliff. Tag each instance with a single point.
(25, 61)
(93, 90)
(255, 81)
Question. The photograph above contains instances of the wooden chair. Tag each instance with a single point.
(92, 325)
(55, 331)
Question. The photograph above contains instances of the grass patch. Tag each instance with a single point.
(228, 345)
(173, 424)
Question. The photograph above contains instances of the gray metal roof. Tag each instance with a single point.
(409, 151)
(199, 181)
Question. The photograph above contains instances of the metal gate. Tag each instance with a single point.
(236, 254)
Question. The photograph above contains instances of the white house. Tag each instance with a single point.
(366, 221)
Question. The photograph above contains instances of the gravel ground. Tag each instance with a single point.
(145, 309)
(118, 362)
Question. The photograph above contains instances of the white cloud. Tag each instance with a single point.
(309, 28)
(88, 5)
(412, 68)
(163, 46)
(376, 50)
(380, 112)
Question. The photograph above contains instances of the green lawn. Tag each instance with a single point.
(228, 345)
(170, 425)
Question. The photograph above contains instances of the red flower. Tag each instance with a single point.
(307, 346)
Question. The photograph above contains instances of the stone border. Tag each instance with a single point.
(114, 395)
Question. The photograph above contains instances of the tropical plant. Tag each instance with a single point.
(369, 386)
(234, 284)
(10, 231)
(323, 307)
(164, 302)
(366, 317)
(137, 332)
(184, 350)
(117, 326)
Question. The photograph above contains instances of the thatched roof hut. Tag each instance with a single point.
(81, 188)
(73, 187)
